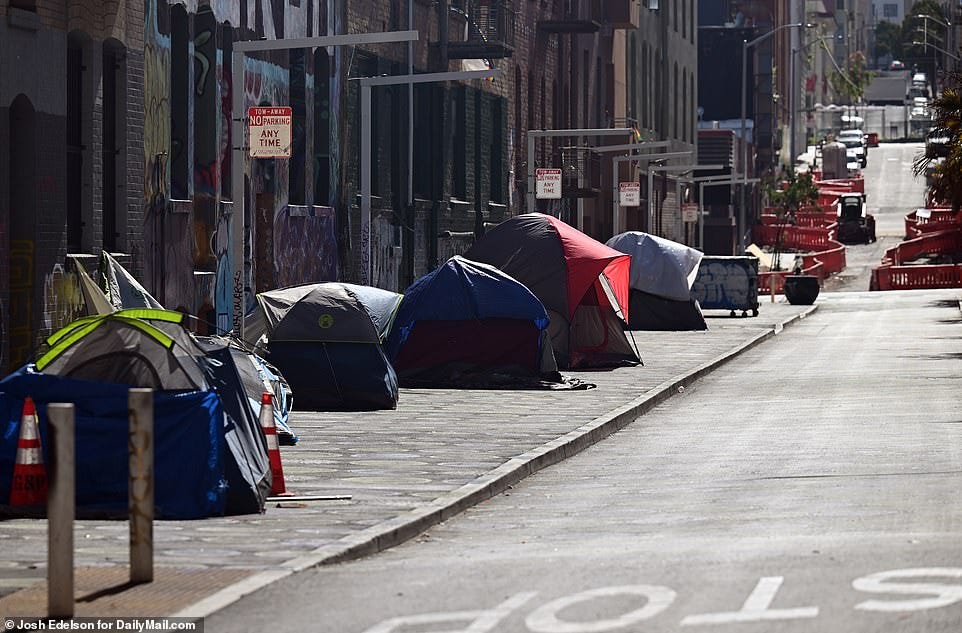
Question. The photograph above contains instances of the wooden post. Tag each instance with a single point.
(141, 484)
(61, 510)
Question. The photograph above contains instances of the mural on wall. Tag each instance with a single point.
(63, 300)
(156, 142)
(309, 247)
(189, 241)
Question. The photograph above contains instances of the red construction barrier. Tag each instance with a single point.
(940, 219)
(937, 243)
(916, 277)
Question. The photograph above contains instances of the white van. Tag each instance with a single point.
(854, 141)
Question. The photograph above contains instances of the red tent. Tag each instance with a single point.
(582, 283)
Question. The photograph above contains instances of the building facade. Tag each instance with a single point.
(118, 137)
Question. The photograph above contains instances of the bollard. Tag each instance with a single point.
(61, 510)
(140, 404)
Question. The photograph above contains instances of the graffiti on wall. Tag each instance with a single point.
(310, 247)
(386, 264)
(63, 300)
(156, 142)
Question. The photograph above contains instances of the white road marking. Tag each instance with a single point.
(480, 621)
(755, 608)
(545, 619)
(876, 583)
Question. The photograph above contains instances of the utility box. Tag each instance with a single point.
(834, 161)
(727, 283)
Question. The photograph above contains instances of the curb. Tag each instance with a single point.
(397, 530)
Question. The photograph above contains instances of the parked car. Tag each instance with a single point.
(871, 139)
(854, 141)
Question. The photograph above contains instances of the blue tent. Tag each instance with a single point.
(469, 318)
(190, 435)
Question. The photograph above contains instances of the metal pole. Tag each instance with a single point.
(410, 107)
(365, 271)
(791, 113)
(650, 228)
(61, 511)
(530, 193)
(742, 212)
(237, 165)
(701, 217)
(141, 484)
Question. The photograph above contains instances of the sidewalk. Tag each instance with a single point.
(439, 453)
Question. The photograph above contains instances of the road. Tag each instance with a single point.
(812, 484)
(891, 191)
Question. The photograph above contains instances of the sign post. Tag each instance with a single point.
(548, 184)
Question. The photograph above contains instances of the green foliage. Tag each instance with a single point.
(792, 193)
(855, 79)
(888, 40)
(946, 173)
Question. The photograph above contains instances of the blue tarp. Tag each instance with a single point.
(461, 289)
(189, 431)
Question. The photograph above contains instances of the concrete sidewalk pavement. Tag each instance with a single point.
(439, 453)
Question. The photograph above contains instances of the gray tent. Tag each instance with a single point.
(326, 339)
(662, 272)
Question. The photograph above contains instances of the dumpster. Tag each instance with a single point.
(727, 283)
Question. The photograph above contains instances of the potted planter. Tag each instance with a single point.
(801, 289)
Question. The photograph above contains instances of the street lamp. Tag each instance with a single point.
(941, 50)
(948, 31)
(746, 44)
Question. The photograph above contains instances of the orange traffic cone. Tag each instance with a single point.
(278, 488)
(29, 487)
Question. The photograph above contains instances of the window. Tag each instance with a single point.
(460, 148)
(495, 154)
(75, 144)
(296, 165)
(114, 141)
(26, 5)
(322, 127)
(890, 10)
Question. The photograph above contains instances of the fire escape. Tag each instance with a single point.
(479, 29)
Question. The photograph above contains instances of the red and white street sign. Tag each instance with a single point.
(269, 131)
(548, 184)
(629, 194)
(689, 212)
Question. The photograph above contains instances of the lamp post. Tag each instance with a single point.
(746, 44)
(948, 33)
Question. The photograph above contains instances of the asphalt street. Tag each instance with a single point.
(810, 485)
(891, 191)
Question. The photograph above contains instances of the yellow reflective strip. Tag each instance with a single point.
(67, 341)
(67, 329)
(152, 314)
(149, 330)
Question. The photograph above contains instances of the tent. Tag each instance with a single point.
(93, 361)
(582, 283)
(468, 323)
(326, 340)
(662, 272)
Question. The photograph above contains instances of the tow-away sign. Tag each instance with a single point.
(269, 131)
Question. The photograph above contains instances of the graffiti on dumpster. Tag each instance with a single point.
(725, 284)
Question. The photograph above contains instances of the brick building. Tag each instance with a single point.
(71, 143)
(118, 136)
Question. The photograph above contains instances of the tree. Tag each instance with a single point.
(945, 172)
(852, 82)
(793, 192)
(888, 40)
